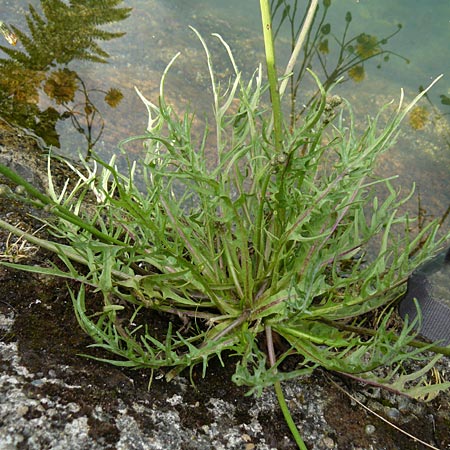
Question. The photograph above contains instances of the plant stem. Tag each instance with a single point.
(272, 74)
(304, 31)
(370, 332)
(279, 393)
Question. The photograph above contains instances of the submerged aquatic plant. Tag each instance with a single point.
(256, 237)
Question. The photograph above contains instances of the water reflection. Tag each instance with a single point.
(8, 34)
(57, 36)
(332, 51)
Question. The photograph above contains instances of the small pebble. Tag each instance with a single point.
(369, 429)
(21, 410)
(20, 190)
(328, 442)
(404, 404)
(393, 413)
(73, 407)
(5, 190)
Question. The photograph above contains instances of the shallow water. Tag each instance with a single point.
(157, 29)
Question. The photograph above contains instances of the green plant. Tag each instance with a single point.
(255, 236)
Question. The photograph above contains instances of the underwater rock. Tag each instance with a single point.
(430, 285)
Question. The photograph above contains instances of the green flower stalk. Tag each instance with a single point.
(272, 75)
